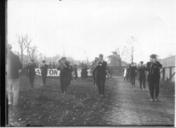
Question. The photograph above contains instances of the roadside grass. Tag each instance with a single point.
(168, 88)
(46, 106)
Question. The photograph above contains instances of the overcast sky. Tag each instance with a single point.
(85, 28)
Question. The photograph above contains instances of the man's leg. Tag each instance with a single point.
(9, 90)
(134, 81)
(131, 81)
(67, 82)
(76, 74)
(151, 90)
(103, 86)
(140, 82)
(44, 79)
(99, 85)
(62, 85)
(31, 79)
(157, 89)
(144, 82)
(16, 89)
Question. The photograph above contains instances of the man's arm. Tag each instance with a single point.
(160, 65)
(105, 66)
(148, 66)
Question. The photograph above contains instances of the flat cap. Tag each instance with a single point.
(153, 56)
(63, 58)
(101, 55)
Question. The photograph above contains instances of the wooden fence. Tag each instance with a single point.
(168, 74)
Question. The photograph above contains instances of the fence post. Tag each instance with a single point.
(170, 72)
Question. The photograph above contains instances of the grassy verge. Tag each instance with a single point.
(46, 106)
(168, 88)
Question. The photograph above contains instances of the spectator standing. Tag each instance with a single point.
(44, 71)
(14, 67)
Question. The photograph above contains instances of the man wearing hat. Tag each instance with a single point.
(153, 68)
(142, 76)
(31, 72)
(65, 74)
(13, 69)
(101, 75)
(44, 71)
(133, 70)
(94, 70)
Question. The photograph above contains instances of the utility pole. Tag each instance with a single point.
(132, 54)
(132, 48)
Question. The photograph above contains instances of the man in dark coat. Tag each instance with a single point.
(153, 68)
(84, 71)
(94, 70)
(133, 70)
(44, 71)
(65, 74)
(142, 77)
(13, 68)
(128, 73)
(101, 75)
(31, 72)
(75, 69)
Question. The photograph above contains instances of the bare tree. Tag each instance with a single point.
(24, 43)
(31, 51)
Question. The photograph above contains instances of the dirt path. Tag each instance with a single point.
(131, 106)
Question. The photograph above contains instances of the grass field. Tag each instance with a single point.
(45, 105)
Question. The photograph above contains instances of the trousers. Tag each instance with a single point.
(44, 79)
(142, 81)
(31, 80)
(154, 88)
(132, 80)
(13, 88)
(101, 85)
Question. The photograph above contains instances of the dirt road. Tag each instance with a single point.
(131, 106)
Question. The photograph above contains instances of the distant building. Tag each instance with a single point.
(124, 64)
(116, 64)
(168, 62)
(114, 60)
